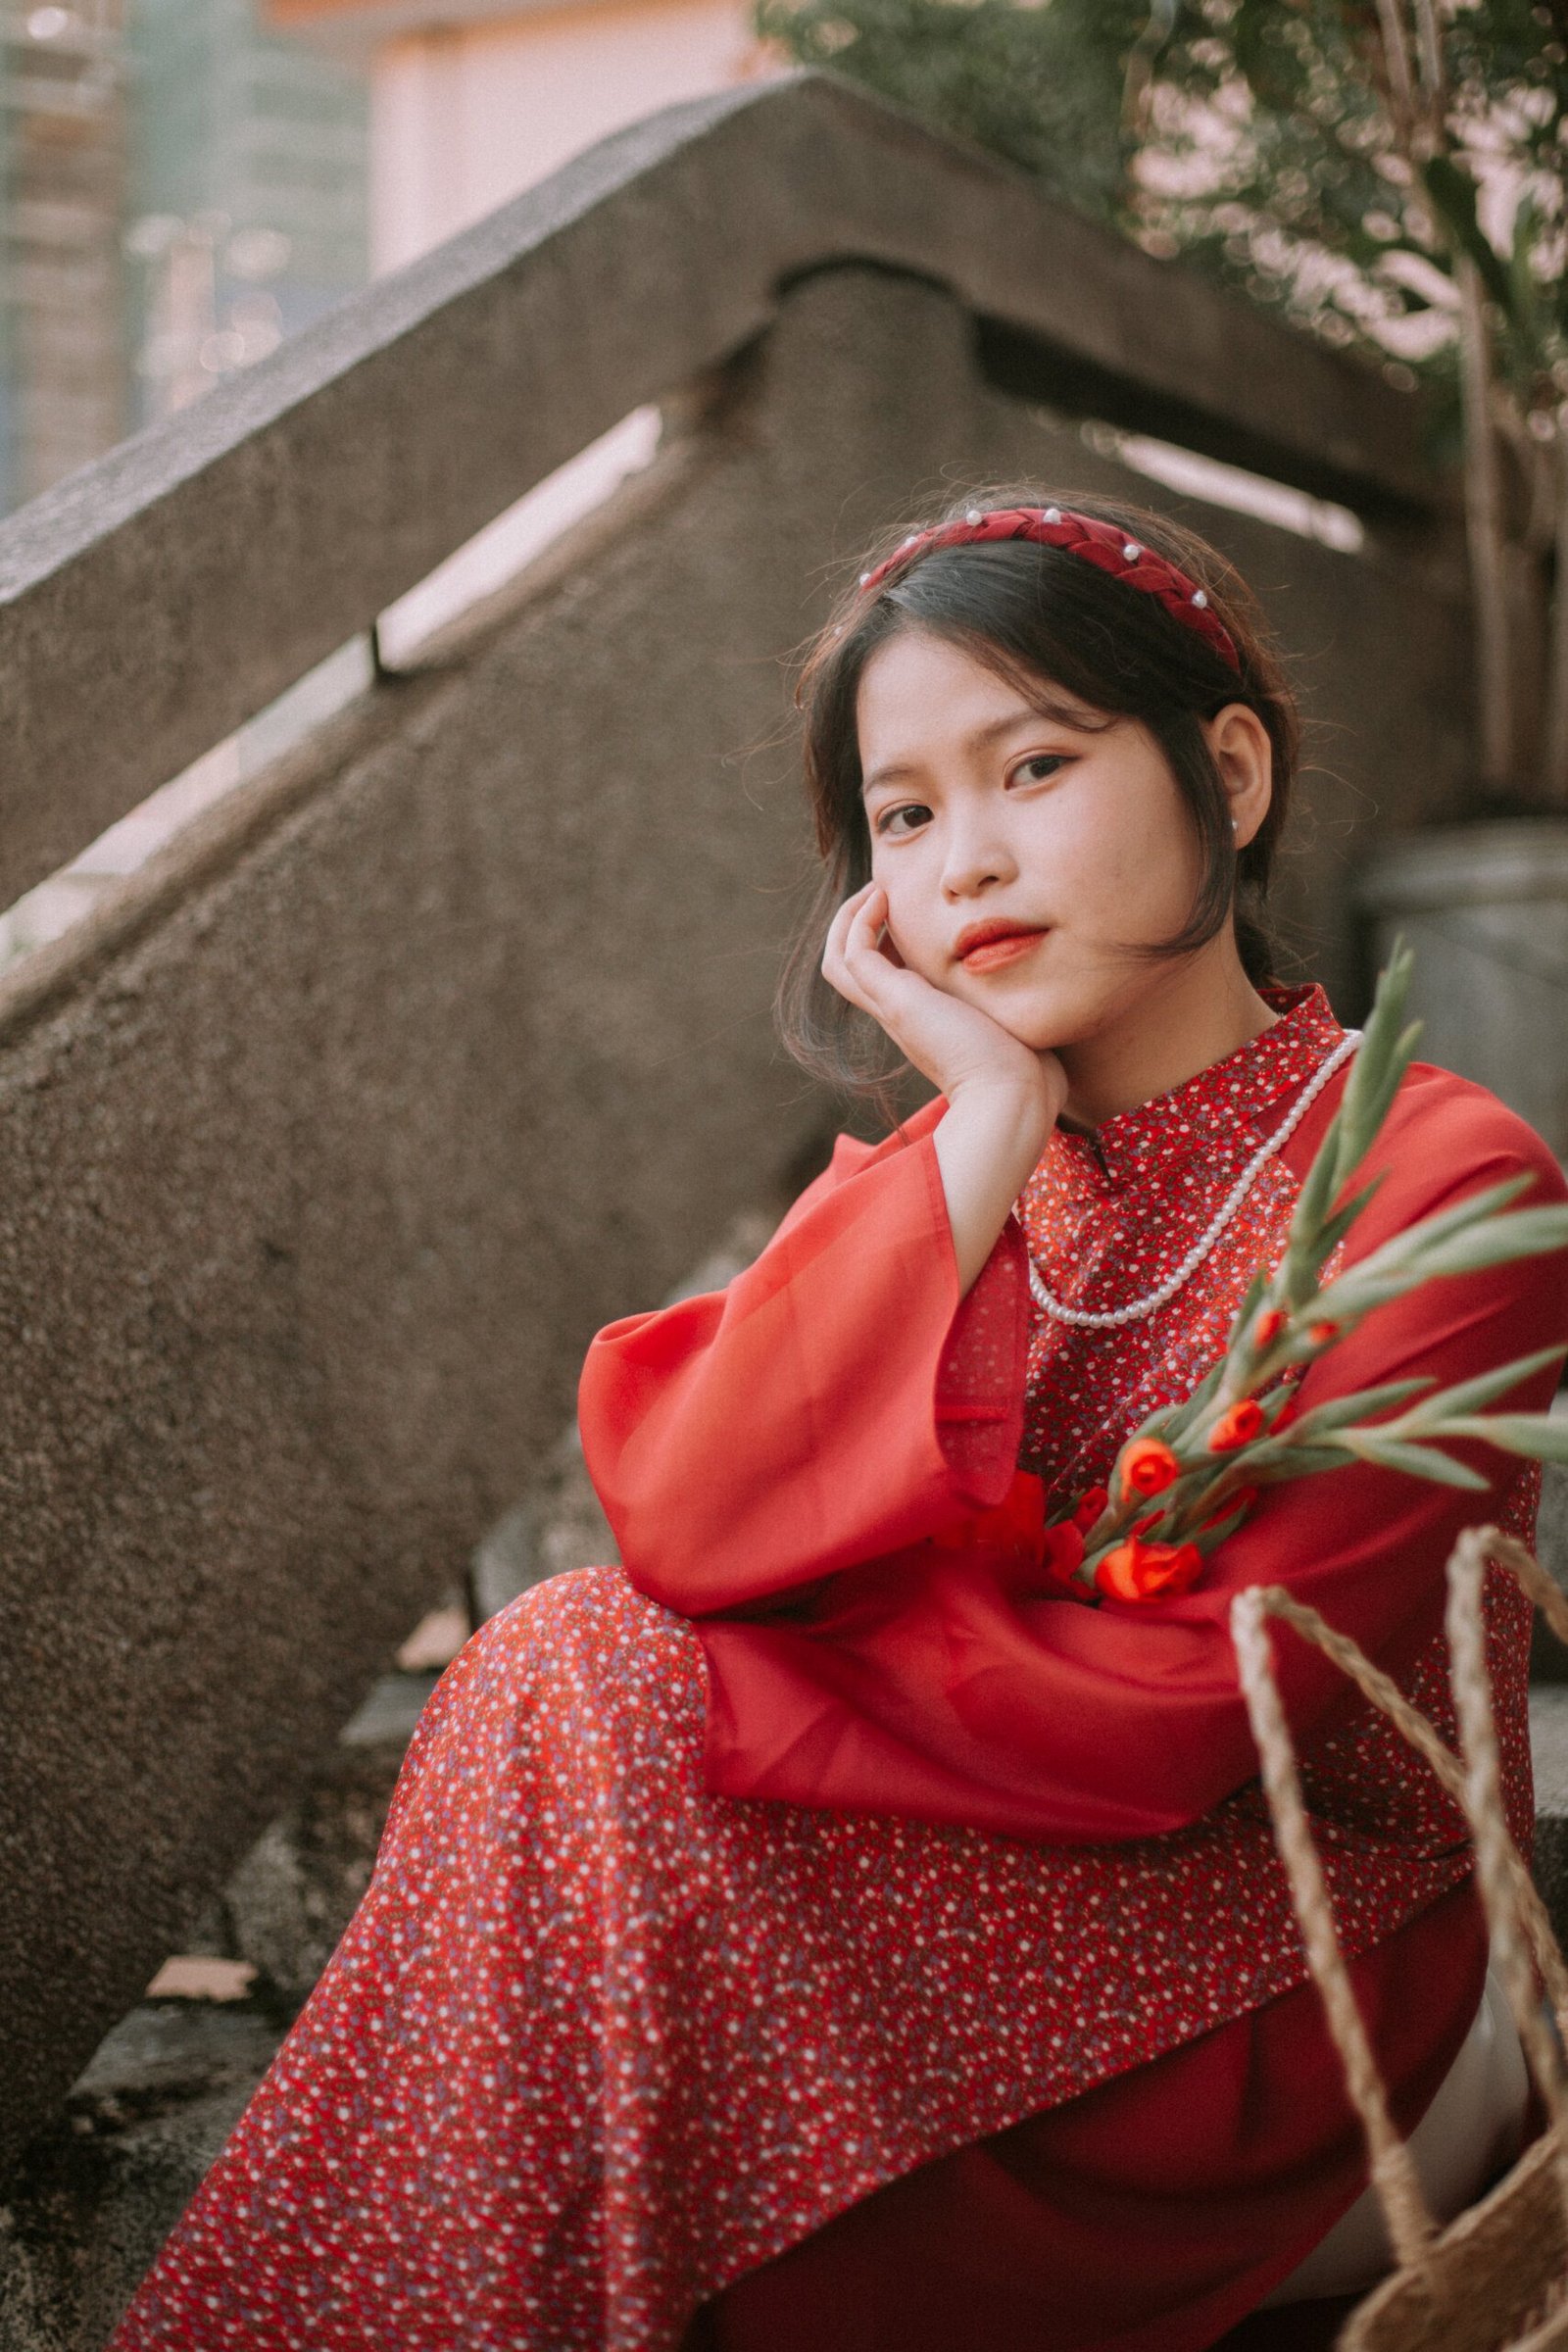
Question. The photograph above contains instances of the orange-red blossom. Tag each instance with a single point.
(1062, 1551)
(1139, 1571)
(1091, 1502)
(1236, 1425)
(1148, 1467)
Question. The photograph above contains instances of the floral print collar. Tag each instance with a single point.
(1209, 1109)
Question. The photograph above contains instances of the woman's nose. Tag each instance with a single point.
(973, 861)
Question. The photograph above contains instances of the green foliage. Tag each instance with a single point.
(1040, 85)
(1261, 138)
(1312, 200)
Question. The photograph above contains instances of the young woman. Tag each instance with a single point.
(821, 1931)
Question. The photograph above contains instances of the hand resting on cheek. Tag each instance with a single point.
(1004, 1098)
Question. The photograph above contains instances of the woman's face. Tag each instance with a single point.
(981, 812)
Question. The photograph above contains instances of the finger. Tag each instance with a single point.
(886, 946)
(865, 903)
(842, 916)
(856, 938)
(836, 947)
(864, 939)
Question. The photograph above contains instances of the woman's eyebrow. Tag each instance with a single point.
(891, 771)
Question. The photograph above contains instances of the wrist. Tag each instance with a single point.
(1024, 1105)
(987, 1147)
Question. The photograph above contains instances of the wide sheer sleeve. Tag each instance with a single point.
(932, 1684)
(837, 1401)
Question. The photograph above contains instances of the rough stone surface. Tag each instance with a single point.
(560, 1524)
(370, 445)
(105, 2184)
(1548, 1739)
(300, 1884)
(166, 2083)
(98, 2189)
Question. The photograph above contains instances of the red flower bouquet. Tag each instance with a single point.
(1201, 1464)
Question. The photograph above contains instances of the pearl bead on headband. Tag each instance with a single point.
(1099, 543)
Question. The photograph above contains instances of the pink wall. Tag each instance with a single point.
(465, 116)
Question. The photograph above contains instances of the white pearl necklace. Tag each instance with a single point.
(1211, 1232)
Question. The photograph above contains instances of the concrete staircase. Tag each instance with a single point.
(101, 2188)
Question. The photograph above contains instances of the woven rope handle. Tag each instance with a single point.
(1515, 1934)
(1411, 2227)
(1515, 1914)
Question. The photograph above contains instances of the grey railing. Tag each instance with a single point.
(327, 1140)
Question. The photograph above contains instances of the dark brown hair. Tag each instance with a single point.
(1053, 625)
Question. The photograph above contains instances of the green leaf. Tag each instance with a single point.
(1270, 1461)
(1543, 1437)
(1209, 1539)
(1248, 1309)
(1340, 1412)
(1396, 1254)
(1469, 1395)
(1184, 1415)
(1528, 1233)
(1262, 57)
(1385, 1055)
(1313, 1250)
(1421, 1461)
(1527, 308)
(1336, 1227)
(1376, 1071)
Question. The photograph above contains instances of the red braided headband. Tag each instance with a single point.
(1099, 543)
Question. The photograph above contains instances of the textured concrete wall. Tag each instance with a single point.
(324, 1152)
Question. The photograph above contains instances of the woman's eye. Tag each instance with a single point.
(1047, 761)
(888, 820)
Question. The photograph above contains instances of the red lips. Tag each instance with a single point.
(982, 935)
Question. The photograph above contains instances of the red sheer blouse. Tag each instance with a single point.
(776, 1458)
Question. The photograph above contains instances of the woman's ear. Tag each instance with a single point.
(1239, 746)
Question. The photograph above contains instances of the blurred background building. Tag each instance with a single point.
(187, 181)
(182, 187)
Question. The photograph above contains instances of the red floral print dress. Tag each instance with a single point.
(725, 1890)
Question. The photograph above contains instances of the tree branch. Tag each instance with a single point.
(1484, 524)
(1555, 777)
(1401, 84)
(1433, 63)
